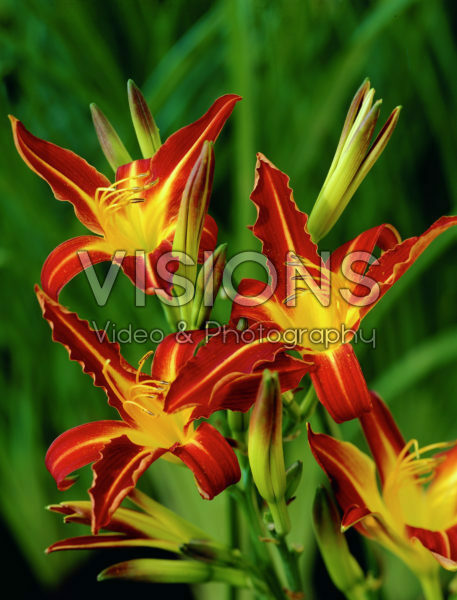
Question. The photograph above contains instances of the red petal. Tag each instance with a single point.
(393, 263)
(71, 178)
(356, 516)
(384, 237)
(174, 160)
(239, 391)
(173, 353)
(142, 269)
(353, 515)
(92, 349)
(78, 447)
(442, 544)
(211, 459)
(91, 542)
(64, 263)
(224, 355)
(351, 472)
(255, 301)
(280, 226)
(339, 383)
(383, 436)
(171, 165)
(116, 472)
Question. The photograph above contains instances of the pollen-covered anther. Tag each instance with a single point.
(113, 198)
(414, 464)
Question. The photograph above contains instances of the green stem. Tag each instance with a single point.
(308, 404)
(291, 406)
(357, 593)
(431, 586)
(262, 554)
(172, 315)
(290, 563)
(234, 538)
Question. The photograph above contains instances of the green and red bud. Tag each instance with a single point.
(209, 280)
(265, 450)
(175, 571)
(110, 142)
(342, 567)
(353, 159)
(192, 213)
(146, 129)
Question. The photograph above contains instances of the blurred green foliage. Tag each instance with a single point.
(297, 63)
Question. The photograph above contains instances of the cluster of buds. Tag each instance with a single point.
(354, 157)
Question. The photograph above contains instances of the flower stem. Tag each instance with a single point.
(431, 586)
(308, 404)
(358, 592)
(234, 537)
(262, 554)
(290, 563)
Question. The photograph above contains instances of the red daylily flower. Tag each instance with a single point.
(158, 410)
(414, 514)
(136, 214)
(331, 298)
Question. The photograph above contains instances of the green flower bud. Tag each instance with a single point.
(353, 159)
(111, 144)
(208, 283)
(192, 213)
(174, 571)
(344, 570)
(265, 450)
(146, 130)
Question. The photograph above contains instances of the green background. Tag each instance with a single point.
(297, 65)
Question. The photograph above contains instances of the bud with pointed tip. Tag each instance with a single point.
(344, 570)
(174, 571)
(265, 450)
(353, 159)
(110, 142)
(146, 129)
(209, 280)
(192, 213)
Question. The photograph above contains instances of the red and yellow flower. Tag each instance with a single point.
(136, 214)
(158, 411)
(414, 512)
(322, 301)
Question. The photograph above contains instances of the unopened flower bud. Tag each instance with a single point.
(353, 159)
(265, 450)
(192, 213)
(344, 570)
(209, 280)
(146, 129)
(174, 571)
(111, 144)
